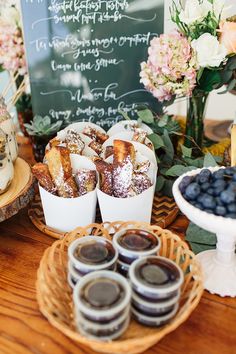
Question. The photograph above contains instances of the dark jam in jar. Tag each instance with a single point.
(94, 252)
(157, 272)
(102, 293)
(138, 240)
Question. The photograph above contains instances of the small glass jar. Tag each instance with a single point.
(123, 268)
(154, 278)
(6, 165)
(6, 124)
(135, 243)
(150, 308)
(102, 304)
(152, 321)
(90, 253)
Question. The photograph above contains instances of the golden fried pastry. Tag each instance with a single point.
(105, 170)
(140, 182)
(95, 135)
(86, 181)
(97, 147)
(109, 150)
(41, 172)
(123, 168)
(139, 136)
(74, 142)
(60, 169)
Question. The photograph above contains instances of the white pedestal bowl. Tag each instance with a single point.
(219, 266)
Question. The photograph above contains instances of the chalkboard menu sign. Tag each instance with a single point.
(84, 56)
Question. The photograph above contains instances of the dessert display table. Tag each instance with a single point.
(210, 329)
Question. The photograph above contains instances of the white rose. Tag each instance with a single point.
(194, 11)
(10, 15)
(209, 51)
(220, 10)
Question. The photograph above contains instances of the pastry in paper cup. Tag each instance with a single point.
(128, 125)
(65, 214)
(128, 136)
(127, 200)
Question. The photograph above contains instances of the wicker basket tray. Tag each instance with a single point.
(55, 296)
(164, 212)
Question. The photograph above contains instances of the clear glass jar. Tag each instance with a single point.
(6, 165)
(6, 124)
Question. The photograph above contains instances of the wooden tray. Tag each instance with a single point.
(20, 192)
(54, 294)
(164, 213)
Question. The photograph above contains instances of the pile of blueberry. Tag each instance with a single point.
(213, 193)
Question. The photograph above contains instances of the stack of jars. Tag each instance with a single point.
(89, 254)
(156, 283)
(133, 244)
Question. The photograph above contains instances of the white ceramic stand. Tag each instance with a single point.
(219, 266)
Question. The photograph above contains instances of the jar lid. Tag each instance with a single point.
(136, 242)
(155, 275)
(92, 253)
(119, 299)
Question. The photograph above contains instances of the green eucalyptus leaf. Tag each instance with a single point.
(187, 152)
(167, 188)
(178, 170)
(146, 116)
(209, 80)
(156, 140)
(198, 163)
(169, 148)
(209, 161)
(160, 183)
(162, 122)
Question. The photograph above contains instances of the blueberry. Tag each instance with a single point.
(209, 211)
(231, 215)
(205, 186)
(203, 176)
(218, 174)
(227, 196)
(192, 191)
(200, 198)
(234, 177)
(211, 191)
(231, 208)
(232, 186)
(219, 183)
(199, 206)
(220, 210)
(218, 201)
(228, 171)
(208, 202)
(184, 183)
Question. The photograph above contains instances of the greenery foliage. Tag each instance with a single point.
(171, 162)
(42, 126)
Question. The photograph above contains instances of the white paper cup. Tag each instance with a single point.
(124, 126)
(65, 214)
(137, 208)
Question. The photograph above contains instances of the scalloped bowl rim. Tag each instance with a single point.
(210, 222)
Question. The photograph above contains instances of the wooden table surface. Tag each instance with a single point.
(211, 329)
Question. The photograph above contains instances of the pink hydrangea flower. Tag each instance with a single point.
(171, 68)
(12, 52)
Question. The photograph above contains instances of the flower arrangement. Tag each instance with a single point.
(12, 57)
(196, 58)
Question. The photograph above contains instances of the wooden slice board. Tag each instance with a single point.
(164, 213)
(20, 192)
